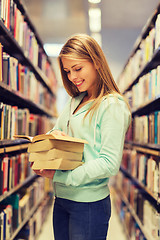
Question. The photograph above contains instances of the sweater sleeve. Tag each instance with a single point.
(114, 124)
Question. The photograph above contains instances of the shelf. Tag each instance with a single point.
(7, 146)
(134, 215)
(149, 25)
(154, 200)
(11, 46)
(153, 63)
(26, 219)
(152, 149)
(147, 108)
(25, 182)
(10, 149)
(24, 12)
(16, 98)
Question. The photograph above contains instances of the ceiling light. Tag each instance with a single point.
(53, 49)
(94, 1)
(94, 19)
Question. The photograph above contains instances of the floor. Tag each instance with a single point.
(115, 229)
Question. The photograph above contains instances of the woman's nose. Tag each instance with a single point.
(73, 76)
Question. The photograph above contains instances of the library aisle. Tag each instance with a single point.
(116, 231)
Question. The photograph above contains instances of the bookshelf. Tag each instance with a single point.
(27, 106)
(138, 183)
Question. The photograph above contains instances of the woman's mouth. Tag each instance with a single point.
(79, 83)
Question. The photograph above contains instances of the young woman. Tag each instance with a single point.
(98, 113)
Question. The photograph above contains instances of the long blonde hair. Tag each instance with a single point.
(82, 46)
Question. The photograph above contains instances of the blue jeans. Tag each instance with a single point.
(80, 220)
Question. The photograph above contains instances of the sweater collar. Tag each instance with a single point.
(76, 101)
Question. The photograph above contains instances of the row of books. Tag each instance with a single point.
(142, 55)
(17, 207)
(147, 89)
(146, 128)
(143, 168)
(131, 227)
(14, 120)
(13, 171)
(23, 81)
(34, 225)
(16, 23)
(139, 210)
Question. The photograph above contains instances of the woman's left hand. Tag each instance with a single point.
(45, 173)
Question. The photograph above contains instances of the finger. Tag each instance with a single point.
(63, 134)
(41, 171)
(31, 164)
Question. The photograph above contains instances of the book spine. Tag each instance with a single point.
(146, 128)
(5, 174)
(1, 177)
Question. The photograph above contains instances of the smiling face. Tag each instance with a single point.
(82, 73)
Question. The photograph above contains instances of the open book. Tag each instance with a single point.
(45, 142)
(51, 136)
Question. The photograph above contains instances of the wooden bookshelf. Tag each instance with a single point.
(145, 31)
(42, 109)
(30, 214)
(16, 148)
(25, 182)
(154, 199)
(142, 65)
(147, 108)
(17, 98)
(11, 46)
(151, 149)
(134, 215)
(152, 64)
(22, 8)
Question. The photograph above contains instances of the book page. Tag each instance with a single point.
(23, 137)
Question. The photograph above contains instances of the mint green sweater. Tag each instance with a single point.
(102, 156)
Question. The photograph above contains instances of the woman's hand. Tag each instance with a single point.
(45, 173)
(58, 132)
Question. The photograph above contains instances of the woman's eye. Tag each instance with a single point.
(78, 69)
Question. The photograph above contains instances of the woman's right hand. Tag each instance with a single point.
(48, 173)
(58, 132)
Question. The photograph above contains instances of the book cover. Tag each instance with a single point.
(1, 177)
(5, 173)
(1, 117)
(2, 122)
(54, 154)
(48, 144)
(13, 200)
(61, 164)
(5, 68)
(4, 224)
(155, 127)
(1, 62)
(7, 220)
(1, 225)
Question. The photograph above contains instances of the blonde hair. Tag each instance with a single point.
(82, 46)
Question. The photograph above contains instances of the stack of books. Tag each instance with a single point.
(51, 151)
